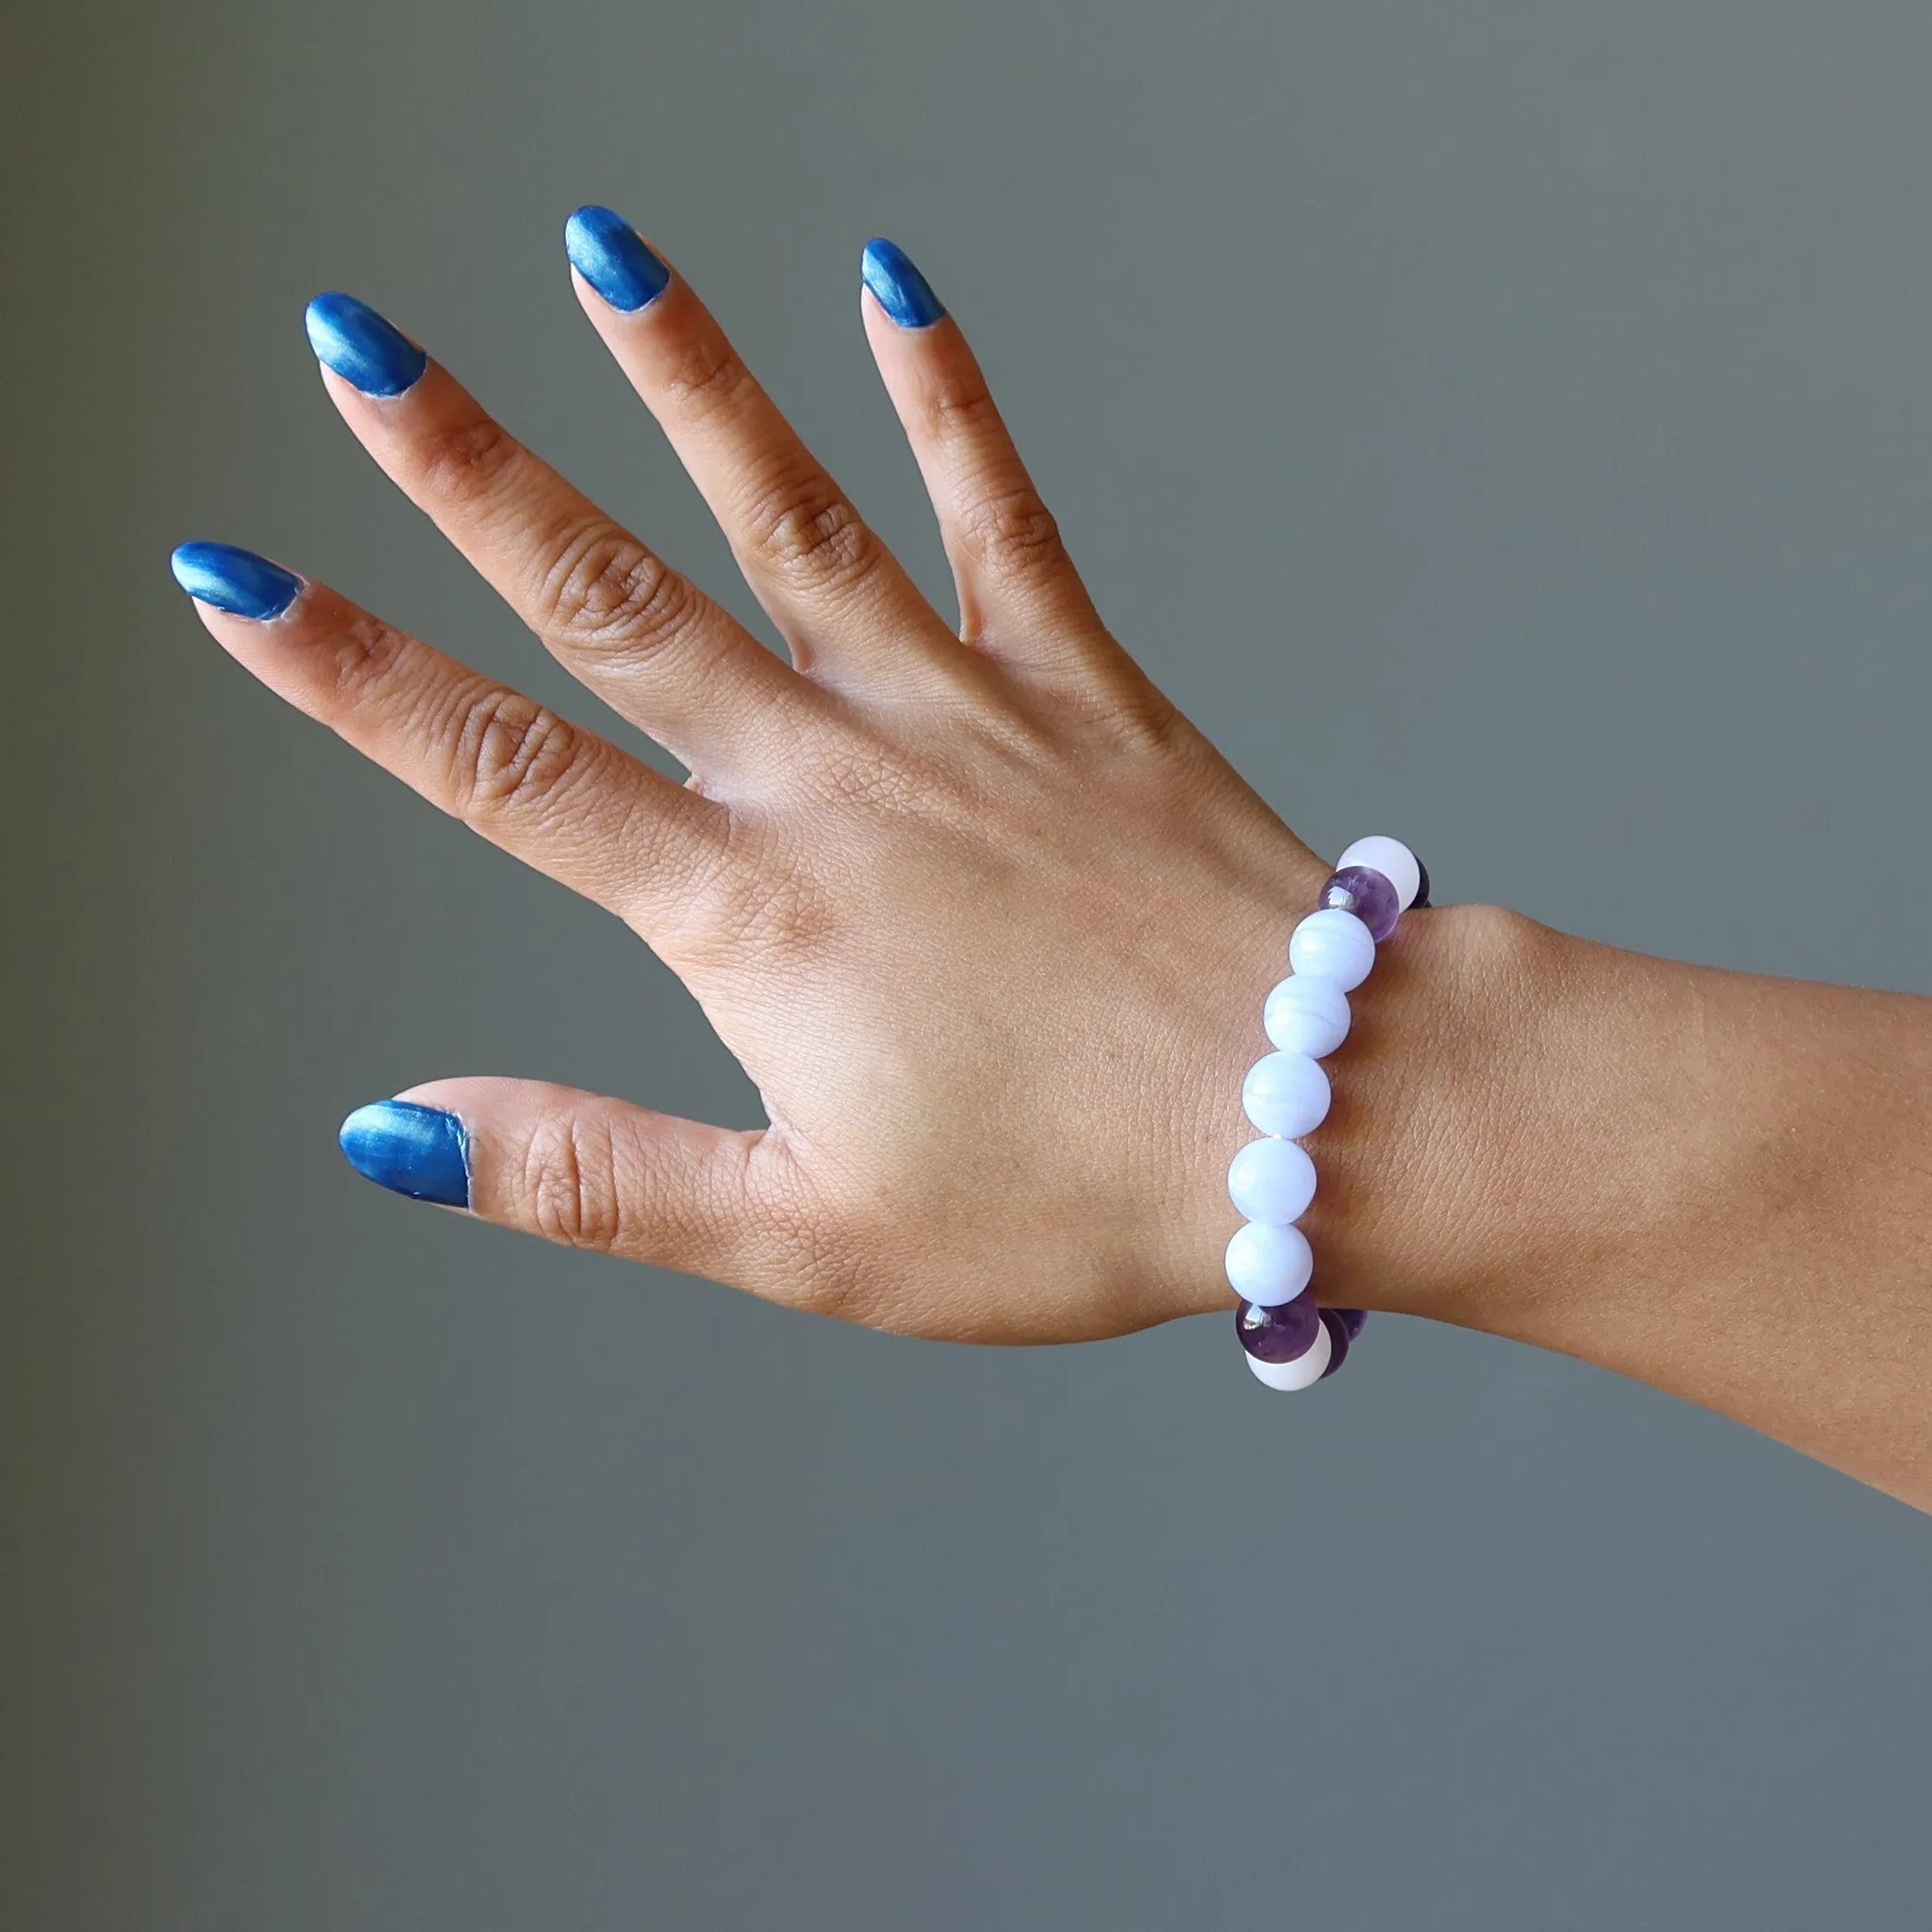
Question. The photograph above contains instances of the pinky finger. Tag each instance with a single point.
(581, 1170)
(1020, 596)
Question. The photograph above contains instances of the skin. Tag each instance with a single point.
(990, 923)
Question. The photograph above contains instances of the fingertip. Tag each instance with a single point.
(363, 347)
(622, 268)
(422, 1152)
(897, 286)
(234, 580)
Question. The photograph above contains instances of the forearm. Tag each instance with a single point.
(1716, 1183)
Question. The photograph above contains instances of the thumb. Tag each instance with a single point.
(578, 1168)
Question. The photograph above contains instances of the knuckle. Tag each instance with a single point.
(706, 375)
(606, 591)
(1011, 533)
(512, 754)
(569, 1184)
(364, 656)
(964, 409)
(818, 1284)
(1115, 704)
(814, 1253)
(862, 776)
(730, 921)
(470, 462)
(1141, 720)
(809, 1267)
(804, 529)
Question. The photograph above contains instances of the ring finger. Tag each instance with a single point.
(841, 600)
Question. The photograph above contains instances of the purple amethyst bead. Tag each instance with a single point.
(1354, 1319)
(1282, 1334)
(1333, 1319)
(1368, 895)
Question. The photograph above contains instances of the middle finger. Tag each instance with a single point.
(644, 638)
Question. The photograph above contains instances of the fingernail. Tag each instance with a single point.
(608, 253)
(361, 347)
(420, 1151)
(902, 292)
(236, 581)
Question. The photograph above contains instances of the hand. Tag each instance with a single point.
(987, 922)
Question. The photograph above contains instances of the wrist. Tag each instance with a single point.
(1424, 1201)
(1710, 1181)
(1436, 1193)
(1490, 1140)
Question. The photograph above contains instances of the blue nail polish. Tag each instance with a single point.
(420, 1151)
(361, 347)
(607, 251)
(902, 292)
(236, 581)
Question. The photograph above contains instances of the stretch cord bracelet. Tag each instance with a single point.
(1290, 1342)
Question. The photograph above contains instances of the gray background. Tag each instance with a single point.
(1512, 422)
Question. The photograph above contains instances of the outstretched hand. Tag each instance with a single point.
(986, 920)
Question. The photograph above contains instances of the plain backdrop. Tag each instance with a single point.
(1507, 424)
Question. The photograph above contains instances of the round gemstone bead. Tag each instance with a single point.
(1421, 899)
(1305, 1014)
(1302, 1373)
(1285, 1093)
(1272, 1181)
(1268, 1265)
(1284, 1334)
(1354, 1319)
(1364, 892)
(1333, 945)
(1392, 859)
(1338, 1340)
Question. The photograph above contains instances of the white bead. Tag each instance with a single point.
(1333, 945)
(1302, 1373)
(1272, 1181)
(1268, 1266)
(1307, 1014)
(1392, 859)
(1286, 1094)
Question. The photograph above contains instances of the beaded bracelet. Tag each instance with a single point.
(1289, 1342)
